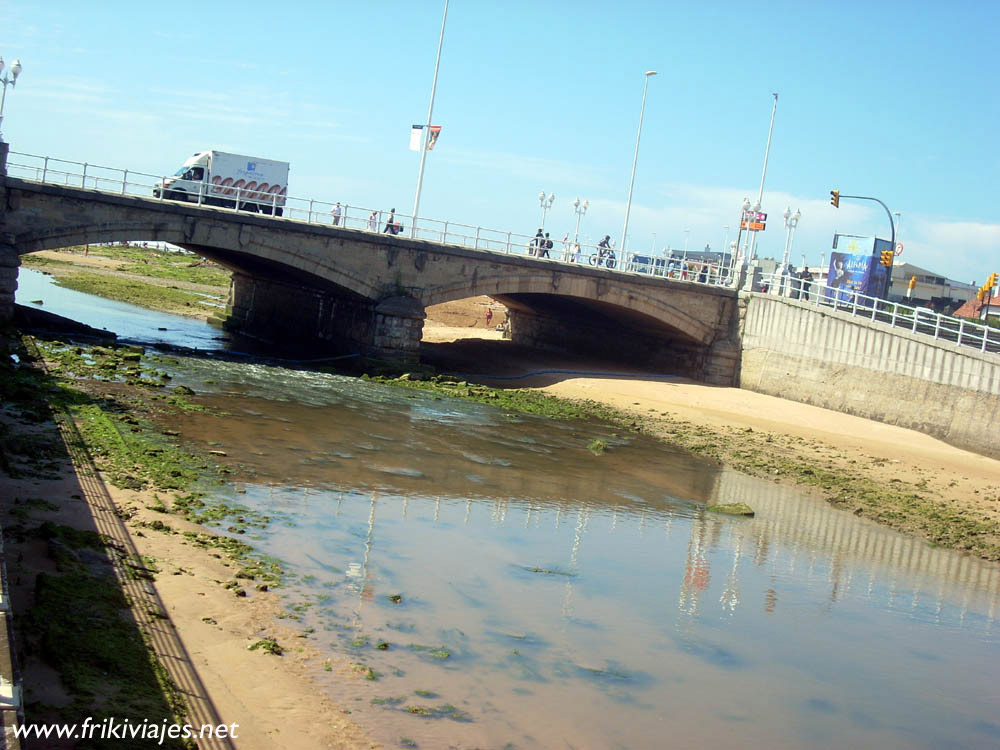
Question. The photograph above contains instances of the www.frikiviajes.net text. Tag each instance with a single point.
(113, 729)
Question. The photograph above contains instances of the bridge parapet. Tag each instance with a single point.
(854, 365)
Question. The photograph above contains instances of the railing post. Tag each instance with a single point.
(444, 234)
(476, 245)
(310, 219)
(236, 206)
(45, 169)
(83, 180)
(124, 180)
(508, 244)
(163, 188)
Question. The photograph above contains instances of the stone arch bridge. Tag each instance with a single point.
(338, 290)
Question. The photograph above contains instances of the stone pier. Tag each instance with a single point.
(323, 321)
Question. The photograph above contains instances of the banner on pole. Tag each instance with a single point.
(415, 133)
(435, 132)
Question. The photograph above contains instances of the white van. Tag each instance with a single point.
(217, 178)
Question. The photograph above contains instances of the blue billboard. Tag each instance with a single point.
(857, 269)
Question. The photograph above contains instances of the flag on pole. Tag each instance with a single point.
(415, 133)
(435, 132)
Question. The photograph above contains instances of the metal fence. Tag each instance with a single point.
(921, 320)
(124, 182)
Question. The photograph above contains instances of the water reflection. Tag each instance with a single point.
(555, 598)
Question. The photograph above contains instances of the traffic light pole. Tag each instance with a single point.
(892, 224)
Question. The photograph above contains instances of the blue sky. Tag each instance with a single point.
(888, 99)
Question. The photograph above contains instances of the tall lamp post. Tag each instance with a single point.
(748, 218)
(545, 201)
(11, 78)
(635, 159)
(580, 209)
(427, 129)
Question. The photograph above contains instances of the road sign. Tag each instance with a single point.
(756, 226)
(899, 248)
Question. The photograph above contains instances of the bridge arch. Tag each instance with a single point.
(656, 304)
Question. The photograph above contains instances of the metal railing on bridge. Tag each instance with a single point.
(920, 320)
(124, 182)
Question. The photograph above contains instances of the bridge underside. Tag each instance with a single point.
(329, 321)
(609, 332)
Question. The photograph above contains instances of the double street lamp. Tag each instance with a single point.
(581, 209)
(545, 201)
(9, 77)
(791, 221)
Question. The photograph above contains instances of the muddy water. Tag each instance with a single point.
(508, 588)
(529, 594)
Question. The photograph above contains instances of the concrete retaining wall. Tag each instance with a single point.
(871, 370)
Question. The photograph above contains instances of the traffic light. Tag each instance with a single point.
(991, 281)
(913, 282)
(835, 198)
(886, 259)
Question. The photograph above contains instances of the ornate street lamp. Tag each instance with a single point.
(581, 209)
(545, 201)
(11, 78)
(791, 221)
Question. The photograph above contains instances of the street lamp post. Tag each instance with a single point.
(425, 134)
(11, 78)
(545, 201)
(635, 159)
(760, 194)
(580, 209)
(791, 221)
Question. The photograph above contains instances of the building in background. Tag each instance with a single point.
(930, 290)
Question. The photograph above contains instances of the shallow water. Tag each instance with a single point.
(552, 598)
(128, 321)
